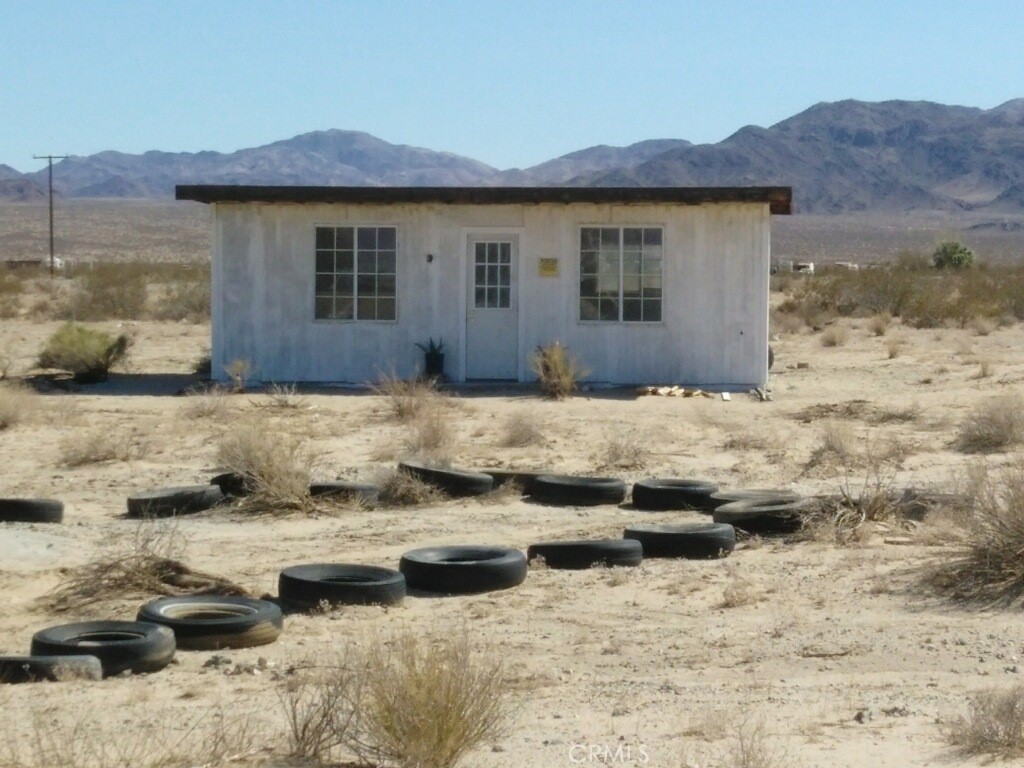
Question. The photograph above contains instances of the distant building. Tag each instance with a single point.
(643, 285)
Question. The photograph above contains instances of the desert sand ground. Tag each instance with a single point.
(832, 650)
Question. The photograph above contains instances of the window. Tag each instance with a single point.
(620, 274)
(492, 265)
(355, 273)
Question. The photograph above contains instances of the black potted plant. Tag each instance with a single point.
(433, 357)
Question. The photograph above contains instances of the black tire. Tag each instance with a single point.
(574, 491)
(345, 491)
(33, 669)
(31, 511)
(577, 555)
(119, 645)
(463, 570)
(771, 357)
(666, 494)
(303, 588)
(695, 541)
(169, 502)
(454, 482)
(209, 623)
(760, 516)
(232, 484)
(525, 478)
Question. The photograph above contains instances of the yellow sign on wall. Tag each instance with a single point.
(548, 268)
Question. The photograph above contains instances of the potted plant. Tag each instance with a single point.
(433, 357)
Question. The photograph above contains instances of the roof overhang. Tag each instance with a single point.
(779, 199)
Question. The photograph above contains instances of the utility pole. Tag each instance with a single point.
(50, 159)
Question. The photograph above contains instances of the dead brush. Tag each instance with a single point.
(835, 336)
(557, 370)
(407, 398)
(149, 565)
(993, 724)
(985, 565)
(751, 746)
(427, 702)
(992, 425)
(520, 431)
(398, 488)
(210, 403)
(276, 466)
(283, 397)
(623, 452)
(100, 446)
(430, 437)
(18, 404)
(878, 324)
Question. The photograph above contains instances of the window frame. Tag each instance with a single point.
(355, 274)
(579, 273)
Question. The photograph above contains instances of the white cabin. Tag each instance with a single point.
(642, 285)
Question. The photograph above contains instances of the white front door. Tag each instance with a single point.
(492, 309)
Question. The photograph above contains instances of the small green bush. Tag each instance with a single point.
(85, 352)
(952, 255)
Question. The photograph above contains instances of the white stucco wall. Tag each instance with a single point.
(714, 324)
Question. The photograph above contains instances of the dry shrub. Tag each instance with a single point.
(284, 397)
(100, 445)
(879, 323)
(18, 403)
(984, 369)
(835, 336)
(624, 452)
(558, 371)
(986, 564)
(836, 444)
(785, 322)
(83, 351)
(520, 431)
(276, 466)
(401, 489)
(186, 299)
(894, 346)
(79, 741)
(407, 398)
(898, 414)
(751, 746)
(210, 403)
(148, 566)
(408, 701)
(431, 436)
(993, 724)
(110, 290)
(992, 425)
(426, 703)
(738, 592)
(238, 370)
(983, 326)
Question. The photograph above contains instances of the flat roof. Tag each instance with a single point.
(778, 198)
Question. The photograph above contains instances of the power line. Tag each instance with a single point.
(50, 159)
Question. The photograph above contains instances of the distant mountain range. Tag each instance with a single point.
(839, 157)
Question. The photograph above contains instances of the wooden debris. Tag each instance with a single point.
(673, 391)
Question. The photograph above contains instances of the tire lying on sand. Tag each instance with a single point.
(121, 646)
(303, 588)
(696, 541)
(34, 669)
(765, 516)
(345, 491)
(523, 477)
(454, 482)
(31, 511)
(580, 554)
(463, 570)
(232, 484)
(573, 491)
(170, 502)
(669, 494)
(209, 623)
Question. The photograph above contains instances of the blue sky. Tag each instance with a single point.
(511, 83)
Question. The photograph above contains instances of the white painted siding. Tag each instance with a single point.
(714, 317)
